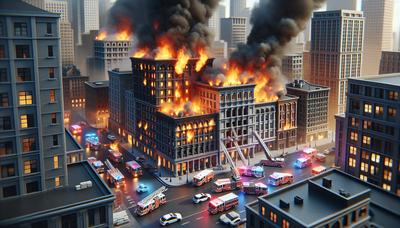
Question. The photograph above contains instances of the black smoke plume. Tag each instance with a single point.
(182, 22)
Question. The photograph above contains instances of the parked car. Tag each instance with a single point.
(112, 138)
(170, 218)
(320, 157)
(201, 197)
(142, 188)
(232, 218)
(140, 158)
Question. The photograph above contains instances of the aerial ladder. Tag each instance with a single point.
(152, 201)
(239, 150)
(274, 162)
(264, 147)
(235, 172)
(114, 176)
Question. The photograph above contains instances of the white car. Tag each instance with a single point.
(170, 219)
(111, 137)
(232, 218)
(201, 197)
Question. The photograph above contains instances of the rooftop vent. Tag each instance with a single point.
(327, 183)
(298, 200)
(83, 185)
(344, 193)
(283, 204)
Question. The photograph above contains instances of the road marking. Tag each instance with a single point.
(194, 214)
(199, 218)
(182, 224)
(241, 211)
(182, 197)
(217, 222)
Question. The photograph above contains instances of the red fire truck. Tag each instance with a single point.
(203, 177)
(223, 203)
(252, 188)
(152, 202)
(226, 184)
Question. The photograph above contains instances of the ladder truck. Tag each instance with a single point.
(227, 184)
(152, 202)
(246, 170)
(271, 161)
(114, 176)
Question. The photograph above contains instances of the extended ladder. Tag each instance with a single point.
(235, 173)
(109, 165)
(239, 150)
(265, 147)
(152, 195)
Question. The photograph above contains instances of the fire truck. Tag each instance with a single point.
(251, 171)
(152, 202)
(114, 176)
(134, 168)
(223, 203)
(252, 188)
(273, 162)
(277, 179)
(203, 177)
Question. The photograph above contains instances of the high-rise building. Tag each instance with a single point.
(214, 23)
(390, 62)
(286, 122)
(66, 31)
(312, 110)
(96, 110)
(340, 199)
(220, 49)
(73, 90)
(237, 8)
(378, 35)
(84, 17)
(373, 129)
(104, 6)
(292, 66)
(36, 3)
(233, 31)
(343, 4)
(336, 54)
(33, 142)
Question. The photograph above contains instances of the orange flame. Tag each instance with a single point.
(263, 92)
(233, 77)
(202, 61)
(164, 51)
(183, 59)
(101, 35)
(140, 53)
(123, 35)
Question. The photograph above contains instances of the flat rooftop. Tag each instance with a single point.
(390, 79)
(18, 7)
(71, 143)
(303, 85)
(57, 200)
(320, 206)
(98, 84)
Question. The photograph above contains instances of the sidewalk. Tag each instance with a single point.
(164, 176)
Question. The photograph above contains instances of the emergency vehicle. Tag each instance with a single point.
(134, 168)
(226, 184)
(251, 171)
(273, 162)
(302, 163)
(320, 157)
(152, 202)
(92, 140)
(252, 188)
(317, 170)
(203, 177)
(98, 166)
(223, 203)
(114, 176)
(309, 152)
(277, 179)
(75, 129)
(115, 156)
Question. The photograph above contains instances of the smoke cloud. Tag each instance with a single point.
(182, 22)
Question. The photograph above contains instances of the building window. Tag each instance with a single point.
(40, 224)
(387, 175)
(69, 221)
(386, 186)
(367, 108)
(367, 124)
(22, 51)
(7, 170)
(263, 211)
(1, 28)
(55, 162)
(393, 95)
(388, 162)
(51, 72)
(26, 120)
(50, 52)
(365, 155)
(103, 215)
(52, 96)
(285, 223)
(49, 29)
(32, 187)
(5, 123)
(55, 140)
(2, 52)
(352, 162)
(4, 100)
(6, 148)
(30, 166)
(375, 158)
(392, 112)
(354, 136)
(272, 216)
(378, 110)
(3, 75)
(353, 150)
(363, 177)
(25, 98)
(364, 167)
(53, 118)
(91, 217)
(57, 181)
(28, 144)
(366, 140)
(24, 74)
(20, 29)
(9, 191)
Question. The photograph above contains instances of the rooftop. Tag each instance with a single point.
(18, 7)
(98, 84)
(390, 79)
(305, 86)
(71, 143)
(59, 200)
(325, 202)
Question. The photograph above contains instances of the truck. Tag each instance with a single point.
(273, 162)
(309, 152)
(98, 166)
(252, 188)
(276, 178)
(92, 141)
(203, 177)
(152, 202)
(226, 184)
(75, 129)
(223, 203)
(303, 162)
(114, 176)
(317, 170)
(134, 168)
(115, 156)
(251, 171)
